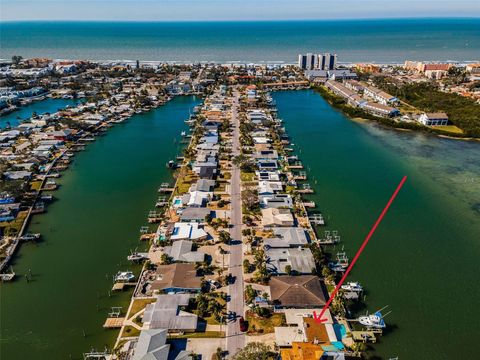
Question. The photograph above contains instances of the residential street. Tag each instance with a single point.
(235, 338)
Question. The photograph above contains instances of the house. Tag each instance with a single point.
(182, 251)
(194, 214)
(165, 313)
(205, 185)
(301, 291)
(277, 217)
(287, 237)
(276, 201)
(188, 231)
(151, 345)
(269, 187)
(433, 119)
(300, 260)
(17, 175)
(380, 96)
(267, 165)
(197, 198)
(176, 278)
(379, 109)
(268, 175)
(266, 155)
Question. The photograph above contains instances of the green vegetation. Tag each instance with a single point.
(352, 112)
(462, 111)
(206, 334)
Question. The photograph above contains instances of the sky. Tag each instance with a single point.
(188, 10)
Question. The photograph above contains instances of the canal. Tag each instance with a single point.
(422, 260)
(87, 234)
(40, 107)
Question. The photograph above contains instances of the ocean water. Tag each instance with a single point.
(280, 41)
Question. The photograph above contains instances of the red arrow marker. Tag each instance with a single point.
(320, 319)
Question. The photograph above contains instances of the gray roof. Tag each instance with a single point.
(181, 250)
(165, 313)
(300, 259)
(194, 214)
(287, 237)
(152, 345)
(205, 185)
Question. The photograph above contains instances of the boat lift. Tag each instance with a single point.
(99, 355)
(331, 238)
(316, 219)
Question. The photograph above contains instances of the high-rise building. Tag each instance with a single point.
(311, 61)
(308, 61)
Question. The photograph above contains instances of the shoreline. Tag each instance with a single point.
(384, 122)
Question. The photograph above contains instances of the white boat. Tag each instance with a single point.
(352, 286)
(137, 257)
(374, 320)
(183, 133)
(124, 276)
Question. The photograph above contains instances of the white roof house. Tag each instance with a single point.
(188, 231)
(165, 313)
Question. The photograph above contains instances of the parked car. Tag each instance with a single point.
(243, 324)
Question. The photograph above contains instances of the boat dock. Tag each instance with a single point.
(120, 286)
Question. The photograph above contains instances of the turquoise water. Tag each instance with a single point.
(354, 40)
(40, 107)
(422, 260)
(87, 234)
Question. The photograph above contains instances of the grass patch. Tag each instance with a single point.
(247, 176)
(450, 128)
(258, 325)
(35, 185)
(130, 331)
(206, 334)
(139, 304)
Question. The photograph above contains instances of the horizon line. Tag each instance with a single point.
(247, 20)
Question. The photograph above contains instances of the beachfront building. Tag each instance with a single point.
(325, 61)
(433, 119)
(380, 109)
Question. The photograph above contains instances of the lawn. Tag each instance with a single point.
(35, 185)
(247, 176)
(130, 331)
(258, 325)
(450, 128)
(139, 304)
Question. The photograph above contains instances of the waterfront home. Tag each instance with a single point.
(276, 201)
(300, 291)
(295, 260)
(354, 85)
(277, 217)
(165, 313)
(380, 96)
(194, 214)
(17, 175)
(269, 187)
(433, 119)
(267, 165)
(205, 185)
(188, 231)
(287, 237)
(380, 109)
(176, 278)
(151, 345)
(182, 251)
(268, 175)
(266, 155)
(196, 198)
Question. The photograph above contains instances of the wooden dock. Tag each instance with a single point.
(114, 323)
(119, 286)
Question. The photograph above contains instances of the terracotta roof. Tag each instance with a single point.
(182, 276)
(302, 290)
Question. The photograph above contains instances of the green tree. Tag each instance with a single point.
(16, 59)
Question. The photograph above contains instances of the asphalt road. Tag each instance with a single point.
(235, 338)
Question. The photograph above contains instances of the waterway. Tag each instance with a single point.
(422, 260)
(40, 107)
(87, 234)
